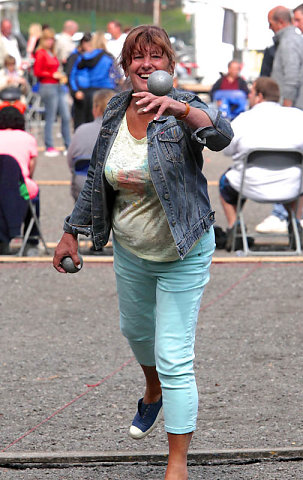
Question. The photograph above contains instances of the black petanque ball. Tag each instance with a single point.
(68, 264)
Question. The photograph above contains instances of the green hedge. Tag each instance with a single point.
(172, 20)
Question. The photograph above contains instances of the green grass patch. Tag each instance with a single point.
(173, 21)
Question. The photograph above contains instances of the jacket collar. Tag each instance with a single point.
(281, 33)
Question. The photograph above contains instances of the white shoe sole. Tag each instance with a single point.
(51, 154)
(260, 230)
(137, 434)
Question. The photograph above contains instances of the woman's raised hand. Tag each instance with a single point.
(150, 103)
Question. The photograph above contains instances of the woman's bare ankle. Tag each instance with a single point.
(153, 390)
(176, 471)
(151, 397)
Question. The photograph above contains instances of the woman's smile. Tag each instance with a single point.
(143, 64)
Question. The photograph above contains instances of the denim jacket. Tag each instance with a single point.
(175, 164)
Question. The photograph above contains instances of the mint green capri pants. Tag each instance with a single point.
(159, 304)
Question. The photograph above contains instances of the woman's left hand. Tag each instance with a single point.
(150, 103)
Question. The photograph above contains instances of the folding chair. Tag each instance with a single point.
(233, 102)
(14, 202)
(35, 109)
(269, 159)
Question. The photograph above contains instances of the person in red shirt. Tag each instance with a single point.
(231, 80)
(53, 91)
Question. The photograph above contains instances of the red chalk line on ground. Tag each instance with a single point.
(90, 387)
(110, 375)
(229, 289)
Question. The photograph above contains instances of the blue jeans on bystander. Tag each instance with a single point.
(55, 99)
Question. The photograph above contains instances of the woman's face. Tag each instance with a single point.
(86, 46)
(11, 67)
(49, 42)
(144, 63)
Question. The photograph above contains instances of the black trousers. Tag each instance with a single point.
(82, 109)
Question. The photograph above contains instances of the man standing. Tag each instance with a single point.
(9, 43)
(65, 44)
(298, 17)
(115, 44)
(288, 61)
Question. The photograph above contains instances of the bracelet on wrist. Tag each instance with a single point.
(186, 112)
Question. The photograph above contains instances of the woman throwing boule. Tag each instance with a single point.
(145, 182)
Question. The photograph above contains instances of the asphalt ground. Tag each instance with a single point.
(69, 382)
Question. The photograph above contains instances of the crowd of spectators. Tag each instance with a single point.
(67, 76)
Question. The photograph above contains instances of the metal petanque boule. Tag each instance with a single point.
(160, 83)
(69, 266)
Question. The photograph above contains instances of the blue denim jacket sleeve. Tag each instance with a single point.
(215, 137)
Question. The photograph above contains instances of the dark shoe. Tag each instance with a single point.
(145, 419)
(229, 238)
(238, 242)
(4, 248)
(291, 236)
(220, 237)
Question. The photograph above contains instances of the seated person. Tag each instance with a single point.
(266, 125)
(12, 81)
(231, 80)
(22, 146)
(83, 142)
(85, 137)
(230, 92)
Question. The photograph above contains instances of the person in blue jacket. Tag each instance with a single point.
(91, 71)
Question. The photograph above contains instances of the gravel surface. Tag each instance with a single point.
(248, 365)
(260, 471)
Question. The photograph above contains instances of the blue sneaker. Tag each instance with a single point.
(145, 419)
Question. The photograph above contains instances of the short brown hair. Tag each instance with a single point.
(299, 8)
(143, 37)
(269, 89)
(9, 60)
(101, 98)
